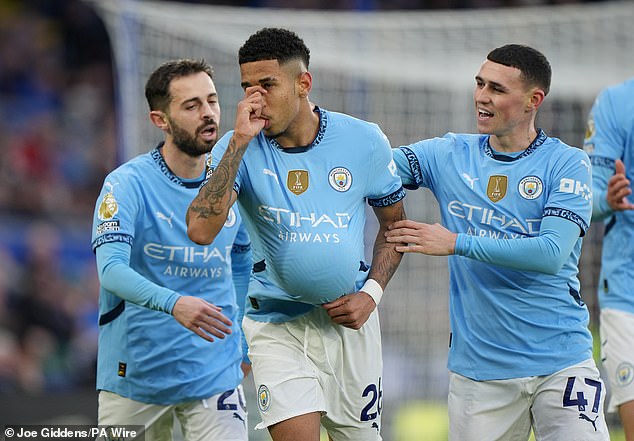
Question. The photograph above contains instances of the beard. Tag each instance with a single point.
(188, 144)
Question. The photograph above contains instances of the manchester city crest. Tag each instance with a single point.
(264, 398)
(340, 179)
(531, 187)
(624, 374)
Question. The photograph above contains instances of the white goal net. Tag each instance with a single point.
(412, 72)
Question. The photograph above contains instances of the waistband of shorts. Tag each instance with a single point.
(276, 311)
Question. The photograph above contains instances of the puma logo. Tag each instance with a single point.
(165, 218)
(586, 164)
(236, 415)
(266, 171)
(470, 179)
(593, 422)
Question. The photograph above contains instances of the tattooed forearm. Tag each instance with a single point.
(385, 258)
(214, 199)
(385, 261)
(208, 211)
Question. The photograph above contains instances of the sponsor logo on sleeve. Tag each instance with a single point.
(108, 207)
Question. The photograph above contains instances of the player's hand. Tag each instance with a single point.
(431, 239)
(351, 310)
(619, 189)
(249, 118)
(201, 317)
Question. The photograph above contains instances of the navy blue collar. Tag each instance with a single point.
(323, 122)
(538, 141)
(169, 174)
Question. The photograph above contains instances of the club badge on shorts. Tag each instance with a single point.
(624, 374)
(264, 398)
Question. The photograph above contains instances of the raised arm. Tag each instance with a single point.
(610, 191)
(208, 211)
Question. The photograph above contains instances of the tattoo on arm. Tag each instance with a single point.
(214, 198)
(385, 258)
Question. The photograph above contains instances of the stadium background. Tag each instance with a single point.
(72, 107)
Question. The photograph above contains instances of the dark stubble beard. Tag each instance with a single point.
(187, 143)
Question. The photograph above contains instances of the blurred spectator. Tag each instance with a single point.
(385, 4)
(8, 339)
(58, 136)
(52, 313)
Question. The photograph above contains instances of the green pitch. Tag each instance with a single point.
(428, 421)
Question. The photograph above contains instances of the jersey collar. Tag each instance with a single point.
(488, 150)
(323, 122)
(169, 174)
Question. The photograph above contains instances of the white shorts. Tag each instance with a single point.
(220, 417)
(617, 352)
(567, 405)
(311, 364)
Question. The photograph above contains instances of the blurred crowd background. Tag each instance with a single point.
(58, 141)
(58, 136)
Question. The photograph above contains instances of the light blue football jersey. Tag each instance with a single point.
(507, 323)
(610, 136)
(305, 212)
(145, 354)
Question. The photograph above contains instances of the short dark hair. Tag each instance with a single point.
(274, 44)
(533, 65)
(157, 88)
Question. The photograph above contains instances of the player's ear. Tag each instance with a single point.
(159, 119)
(536, 98)
(304, 84)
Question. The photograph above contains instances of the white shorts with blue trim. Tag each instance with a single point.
(311, 364)
(219, 417)
(616, 329)
(567, 405)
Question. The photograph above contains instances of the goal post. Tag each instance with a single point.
(410, 71)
